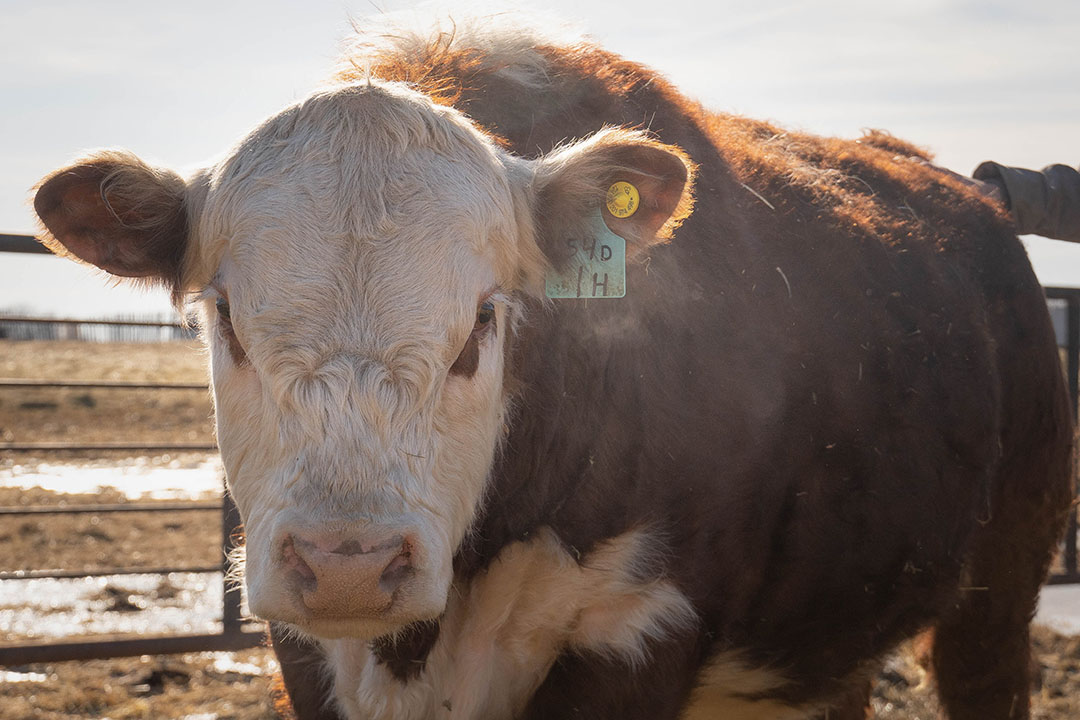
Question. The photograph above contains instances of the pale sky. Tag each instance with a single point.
(179, 83)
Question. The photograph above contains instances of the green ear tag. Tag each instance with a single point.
(595, 266)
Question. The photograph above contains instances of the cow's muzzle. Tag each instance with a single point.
(346, 574)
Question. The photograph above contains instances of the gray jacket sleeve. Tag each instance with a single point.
(1045, 203)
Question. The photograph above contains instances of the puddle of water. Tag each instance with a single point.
(177, 603)
(143, 604)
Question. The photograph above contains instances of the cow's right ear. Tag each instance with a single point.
(575, 182)
(114, 211)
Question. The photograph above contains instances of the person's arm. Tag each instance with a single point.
(1045, 203)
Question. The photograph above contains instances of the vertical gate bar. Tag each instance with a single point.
(1073, 318)
(230, 527)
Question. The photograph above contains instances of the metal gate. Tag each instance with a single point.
(233, 635)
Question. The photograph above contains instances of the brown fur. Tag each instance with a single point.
(302, 678)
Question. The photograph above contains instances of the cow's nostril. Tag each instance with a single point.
(294, 561)
(397, 571)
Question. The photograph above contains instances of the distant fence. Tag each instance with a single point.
(18, 327)
(22, 327)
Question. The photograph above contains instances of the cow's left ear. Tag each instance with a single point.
(574, 183)
(112, 210)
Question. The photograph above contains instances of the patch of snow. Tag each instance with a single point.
(10, 676)
(1059, 608)
(53, 608)
(158, 478)
(225, 664)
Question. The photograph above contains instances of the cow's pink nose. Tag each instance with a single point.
(341, 577)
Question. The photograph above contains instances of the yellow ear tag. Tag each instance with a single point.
(622, 199)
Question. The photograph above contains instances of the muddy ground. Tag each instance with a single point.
(204, 686)
(198, 686)
(201, 686)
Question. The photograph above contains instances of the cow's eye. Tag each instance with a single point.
(469, 358)
(236, 350)
(485, 314)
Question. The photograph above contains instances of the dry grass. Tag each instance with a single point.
(82, 415)
(904, 690)
(196, 686)
(180, 361)
(190, 686)
(86, 542)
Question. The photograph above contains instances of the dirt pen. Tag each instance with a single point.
(196, 685)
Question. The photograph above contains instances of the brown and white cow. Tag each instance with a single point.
(826, 415)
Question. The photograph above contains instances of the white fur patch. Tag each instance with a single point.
(505, 42)
(503, 631)
(723, 687)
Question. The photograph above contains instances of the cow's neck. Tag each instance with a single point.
(505, 627)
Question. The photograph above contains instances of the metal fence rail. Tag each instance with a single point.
(50, 651)
(98, 509)
(232, 637)
(1071, 296)
(99, 384)
(104, 572)
(106, 447)
(22, 244)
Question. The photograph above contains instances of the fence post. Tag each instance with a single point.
(231, 618)
(1073, 320)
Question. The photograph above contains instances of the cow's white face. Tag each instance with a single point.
(356, 260)
(357, 323)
